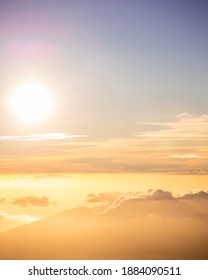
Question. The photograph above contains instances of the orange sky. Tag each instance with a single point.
(99, 97)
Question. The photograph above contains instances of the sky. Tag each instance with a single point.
(129, 80)
(109, 64)
(100, 96)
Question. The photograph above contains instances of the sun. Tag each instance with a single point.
(31, 102)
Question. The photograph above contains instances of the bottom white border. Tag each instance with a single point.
(108, 269)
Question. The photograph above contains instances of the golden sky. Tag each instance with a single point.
(103, 104)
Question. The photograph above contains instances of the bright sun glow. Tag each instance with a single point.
(31, 102)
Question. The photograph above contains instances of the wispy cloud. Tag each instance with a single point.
(182, 115)
(177, 144)
(180, 126)
(188, 156)
(22, 217)
(44, 136)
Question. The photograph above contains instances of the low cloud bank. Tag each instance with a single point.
(156, 224)
(153, 202)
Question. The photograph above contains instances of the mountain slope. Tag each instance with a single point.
(80, 234)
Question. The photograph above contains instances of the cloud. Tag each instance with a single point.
(188, 156)
(153, 202)
(178, 127)
(40, 137)
(175, 144)
(160, 195)
(201, 195)
(148, 195)
(103, 197)
(114, 196)
(182, 115)
(154, 224)
(22, 217)
(199, 171)
(9, 221)
(32, 201)
(185, 156)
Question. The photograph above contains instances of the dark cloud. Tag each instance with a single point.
(32, 201)
(199, 195)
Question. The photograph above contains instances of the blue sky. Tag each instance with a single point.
(109, 63)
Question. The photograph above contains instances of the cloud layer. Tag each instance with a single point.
(141, 225)
(175, 144)
(158, 202)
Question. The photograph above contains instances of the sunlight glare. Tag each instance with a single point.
(31, 102)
